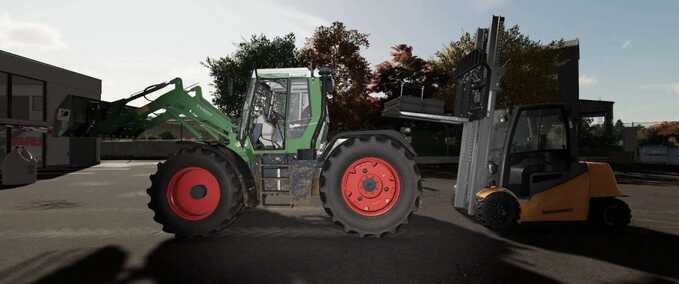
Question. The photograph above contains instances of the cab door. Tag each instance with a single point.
(539, 166)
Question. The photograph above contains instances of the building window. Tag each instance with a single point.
(4, 98)
(25, 106)
(36, 103)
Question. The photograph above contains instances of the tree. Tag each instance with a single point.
(232, 73)
(665, 133)
(598, 139)
(337, 46)
(445, 63)
(529, 74)
(404, 70)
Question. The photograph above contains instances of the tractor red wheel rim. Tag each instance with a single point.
(193, 193)
(370, 186)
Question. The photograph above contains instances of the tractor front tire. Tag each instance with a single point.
(499, 211)
(195, 193)
(370, 186)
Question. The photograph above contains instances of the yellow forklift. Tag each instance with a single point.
(520, 165)
(539, 179)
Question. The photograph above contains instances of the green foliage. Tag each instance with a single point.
(232, 73)
(598, 139)
(445, 62)
(339, 47)
(529, 75)
(167, 135)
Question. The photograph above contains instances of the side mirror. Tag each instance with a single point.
(327, 82)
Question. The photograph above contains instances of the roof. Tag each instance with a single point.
(283, 72)
(596, 101)
(2, 52)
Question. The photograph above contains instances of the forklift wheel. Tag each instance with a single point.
(610, 213)
(195, 193)
(498, 211)
(370, 186)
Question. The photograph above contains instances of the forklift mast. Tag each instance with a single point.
(478, 79)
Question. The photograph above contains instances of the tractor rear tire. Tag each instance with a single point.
(610, 214)
(499, 211)
(195, 193)
(370, 186)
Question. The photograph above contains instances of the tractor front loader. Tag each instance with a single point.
(368, 180)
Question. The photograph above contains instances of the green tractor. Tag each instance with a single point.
(368, 181)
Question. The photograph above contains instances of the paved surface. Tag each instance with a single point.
(92, 226)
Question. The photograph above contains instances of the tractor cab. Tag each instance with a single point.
(283, 112)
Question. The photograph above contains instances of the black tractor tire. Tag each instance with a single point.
(223, 190)
(499, 211)
(403, 168)
(610, 214)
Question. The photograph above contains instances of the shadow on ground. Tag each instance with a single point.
(309, 250)
(45, 174)
(638, 248)
(447, 171)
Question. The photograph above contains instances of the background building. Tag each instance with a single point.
(30, 93)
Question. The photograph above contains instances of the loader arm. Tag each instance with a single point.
(84, 117)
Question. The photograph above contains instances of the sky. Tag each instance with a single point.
(628, 48)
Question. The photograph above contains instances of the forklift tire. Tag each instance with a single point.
(610, 214)
(499, 211)
(370, 185)
(195, 193)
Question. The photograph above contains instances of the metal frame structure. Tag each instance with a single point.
(477, 133)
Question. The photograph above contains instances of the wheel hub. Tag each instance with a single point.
(370, 186)
(193, 193)
(198, 191)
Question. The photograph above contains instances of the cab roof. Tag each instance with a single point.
(283, 73)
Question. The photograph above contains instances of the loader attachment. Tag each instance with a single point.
(85, 117)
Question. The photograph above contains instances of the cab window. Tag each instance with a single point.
(539, 130)
(299, 108)
(268, 114)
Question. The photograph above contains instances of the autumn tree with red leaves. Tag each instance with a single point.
(404, 71)
(339, 47)
(665, 133)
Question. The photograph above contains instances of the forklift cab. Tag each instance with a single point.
(538, 150)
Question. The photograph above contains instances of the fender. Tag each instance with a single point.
(386, 133)
(485, 192)
(245, 177)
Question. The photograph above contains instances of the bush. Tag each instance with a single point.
(167, 135)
